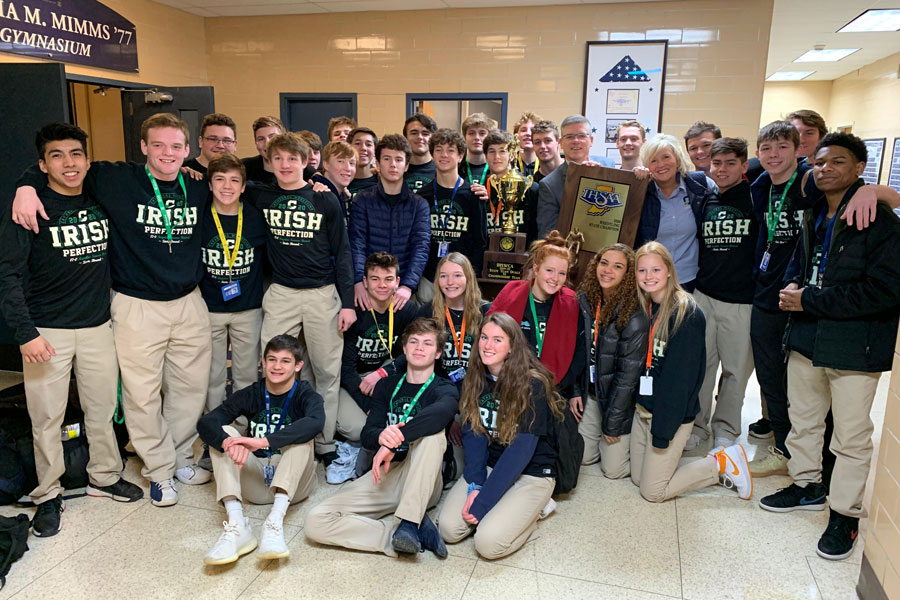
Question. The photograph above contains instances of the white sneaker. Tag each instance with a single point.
(192, 475)
(163, 493)
(271, 542)
(236, 541)
(734, 470)
(547, 510)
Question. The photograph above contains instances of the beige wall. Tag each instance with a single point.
(171, 46)
(716, 62)
(781, 98)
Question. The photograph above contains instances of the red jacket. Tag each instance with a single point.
(562, 327)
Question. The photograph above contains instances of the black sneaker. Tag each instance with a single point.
(431, 538)
(761, 430)
(327, 458)
(46, 520)
(120, 491)
(794, 497)
(406, 538)
(840, 535)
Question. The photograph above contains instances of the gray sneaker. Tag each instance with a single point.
(772, 462)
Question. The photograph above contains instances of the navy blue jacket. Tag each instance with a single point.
(402, 228)
(697, 191)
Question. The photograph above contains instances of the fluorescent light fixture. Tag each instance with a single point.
(789, 75)
(875, 19)
(829, 55)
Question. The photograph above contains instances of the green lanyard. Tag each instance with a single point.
(483, 174)
(161, 204)
(415, 399)
(772, 225)
(538, 335)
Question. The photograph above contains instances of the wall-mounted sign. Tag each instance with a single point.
(73, 31)
(894, 178)
(872, 173)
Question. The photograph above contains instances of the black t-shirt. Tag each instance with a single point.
(474, 173)
(367, 346)
(358, 185)
(418, 176)
(524, 216)
(307, 241)
(728, 238)
(195, 165)
(256, 170)
(247, 268)
(59, 277)
(457, 219)
(536, 420)
(542, 309)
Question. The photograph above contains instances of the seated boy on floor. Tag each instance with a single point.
(405, 425)
(275, 464)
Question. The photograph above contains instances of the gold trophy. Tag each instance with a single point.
(506, 249)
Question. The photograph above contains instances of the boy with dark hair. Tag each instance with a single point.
(545, 137)
(371, 343)
(363, 141)
(258, 167)
(274, 463)
(457, 215)
(698, 140)
(474, 167)
(843, 294)
(55, 297)
(496, 146)
(233, 250)
(527, 161)
(810, 127)
(314, 143)
(406, 426)
(339, 129)
(160, 322)
(630, 136)
(217, 136)
(338, 168)
(312, 273)
(389, 218)
(728, 233)
(418, 130)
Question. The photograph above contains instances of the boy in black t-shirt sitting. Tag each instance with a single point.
(406, 426)
(274, 463)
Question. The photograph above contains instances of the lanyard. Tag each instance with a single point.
(161, 204)
(826, 244)
(415, 399)
(537, 163)
(462, 332)
(650, 344)
(437, 211)
(597, 320)
(230, 257)
(772, 225)
(284, 410)
(538, 335)
(389, 345)
(483, 174)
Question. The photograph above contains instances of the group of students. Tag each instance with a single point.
(726, 266)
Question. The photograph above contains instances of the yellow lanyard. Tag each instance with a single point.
(537, 164)
(388, 345)
(230, 257)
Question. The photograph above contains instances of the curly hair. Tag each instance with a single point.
(623, 298)
(513, 385)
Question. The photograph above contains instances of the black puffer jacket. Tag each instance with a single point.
(620, 360)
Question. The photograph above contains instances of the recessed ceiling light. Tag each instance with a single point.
(876, 19)
(829, 55)
(789, 75)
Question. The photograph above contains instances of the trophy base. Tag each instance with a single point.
(507, 242)
(505, 258)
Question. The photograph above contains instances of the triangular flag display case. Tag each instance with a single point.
(624, 71)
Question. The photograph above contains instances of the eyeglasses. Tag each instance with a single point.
(217, 140)
(580, 137)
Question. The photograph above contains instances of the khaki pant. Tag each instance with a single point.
(351, 518)
(91, 351)
(424, 293)
(243, 330)
(613, 458)
(507, 526)
(163, 346)
(295, 473)
(849, 394)
(728, 342)
(315, 312)
(350, 417)
(656, 470)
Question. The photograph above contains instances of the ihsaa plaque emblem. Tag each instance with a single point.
(602, 199)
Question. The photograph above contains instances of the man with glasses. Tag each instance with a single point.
(575, 141)
(216, 137)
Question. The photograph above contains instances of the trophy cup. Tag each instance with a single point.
(506, 249)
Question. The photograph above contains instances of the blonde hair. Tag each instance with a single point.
(660, 142)
(675, 300)
(472, 295)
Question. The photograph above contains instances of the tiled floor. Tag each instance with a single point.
(604, 542)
